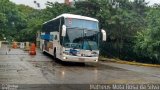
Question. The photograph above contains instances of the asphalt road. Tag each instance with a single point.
(18, 67)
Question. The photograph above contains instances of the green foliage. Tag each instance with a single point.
(11, 20)
(148, 41)
(55, 9)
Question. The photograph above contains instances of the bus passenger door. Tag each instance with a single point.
(56, 45)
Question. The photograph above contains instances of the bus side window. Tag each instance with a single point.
(60, 30)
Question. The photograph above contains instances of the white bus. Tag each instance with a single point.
(73, 38)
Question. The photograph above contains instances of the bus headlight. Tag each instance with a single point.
(96, 60)
(95, 54)
(64, 57)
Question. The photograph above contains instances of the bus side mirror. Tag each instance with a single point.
(103, 35)
(64, 30)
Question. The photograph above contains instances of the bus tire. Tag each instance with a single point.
(55, 57)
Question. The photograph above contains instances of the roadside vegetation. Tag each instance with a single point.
(133, 28)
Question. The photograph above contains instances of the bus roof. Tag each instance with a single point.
(77, 16)
(73, 16)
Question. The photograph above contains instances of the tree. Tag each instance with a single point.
(11, 20)
(148, 41)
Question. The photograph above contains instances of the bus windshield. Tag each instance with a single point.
(81, 23)
(81, 39)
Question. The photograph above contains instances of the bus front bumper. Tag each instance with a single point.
(79, 59)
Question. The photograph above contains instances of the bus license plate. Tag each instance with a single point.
(81, 59)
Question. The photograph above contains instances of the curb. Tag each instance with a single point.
(127, 62)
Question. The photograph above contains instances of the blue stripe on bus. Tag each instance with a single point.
(47, 37)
